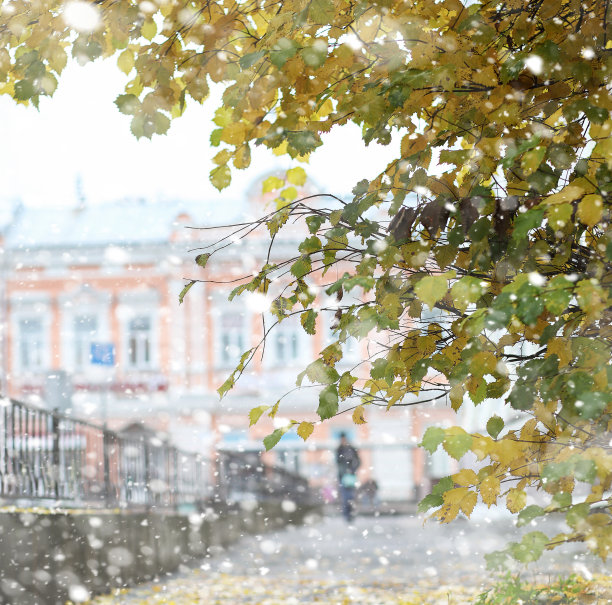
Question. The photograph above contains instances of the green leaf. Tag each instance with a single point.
(282, 51)
(314, 222)
(128, 104)
(320, 373)
(553, 471)
(215, 137)
(303, 142)
(379, 368)
(308, 321)
(24, 90)
(525, 222)
(576, 514)
(301, 267)
(220, 177)
(584, 470)
(466, 291)
(328, 402)
(522, 396)
(321, 11)
(161, 123)
(458, 444)
(361, 188)
(556, 301)
(528, 514)
(443, 485)
(432, 438)
(310, 245)
(494, 426)
(273, 438)
(429, 501)
(250, 59)
(315, 55)
(345, 385)
(590, 405)
(256, 413)
(530, 547)
(185, 290)
(562, 500)
(431, 289)
(202, 259)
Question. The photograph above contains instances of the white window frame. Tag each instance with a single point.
(132, 305)
(290, 326)
(147, 343)
(23, 308)
(87, 302)
(82, 340)
(238, 338)
(35, 343)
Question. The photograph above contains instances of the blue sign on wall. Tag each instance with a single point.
(103, 353)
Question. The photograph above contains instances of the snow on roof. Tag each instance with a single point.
(121, 222)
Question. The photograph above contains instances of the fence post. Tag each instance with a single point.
(106, 445)
(147, 475)
(55, 451)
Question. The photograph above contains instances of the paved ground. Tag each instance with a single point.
(377, 560)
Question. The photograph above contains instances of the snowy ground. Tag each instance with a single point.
(377, 560)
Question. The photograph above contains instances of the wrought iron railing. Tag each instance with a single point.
(47, 456)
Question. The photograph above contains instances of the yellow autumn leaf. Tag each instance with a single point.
(505, 450)
(358, 415)
(272, 183)
(234, 133)
(412, 144)
(516, 500)
(481, 446)
(532, 159)
(489, 490)
(304, 429)
(456, 500)
(567, 194)
(465, 477)
(296, 176)
(561, 348)
(149, 29)
(590, 209)
(125, 61)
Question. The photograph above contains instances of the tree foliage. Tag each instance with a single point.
(477, 262)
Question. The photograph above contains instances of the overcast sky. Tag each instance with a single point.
(79, 131)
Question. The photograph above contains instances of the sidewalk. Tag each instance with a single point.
(377, 560)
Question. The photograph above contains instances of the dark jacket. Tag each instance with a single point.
(347, 459)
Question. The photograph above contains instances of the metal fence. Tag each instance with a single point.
(48, 456)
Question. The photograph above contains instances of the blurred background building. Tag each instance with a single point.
(109, 275)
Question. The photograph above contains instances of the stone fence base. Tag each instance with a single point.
(50, 558)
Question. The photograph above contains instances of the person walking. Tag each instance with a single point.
(348, 462)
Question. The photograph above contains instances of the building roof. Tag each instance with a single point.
(120, 222)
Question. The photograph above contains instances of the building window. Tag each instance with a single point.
(31, 341)
(85, 328)
(286, 342)
(232, 339)
(139, 342)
